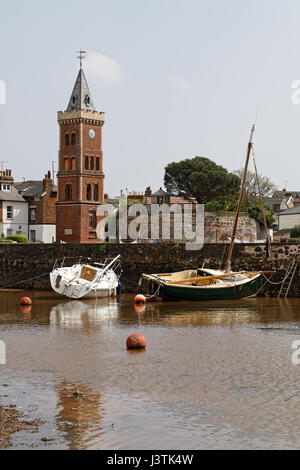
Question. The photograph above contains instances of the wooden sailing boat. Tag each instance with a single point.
(210, 284)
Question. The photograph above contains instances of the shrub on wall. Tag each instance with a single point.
(295, 232)
(18, 238)
(3, 240)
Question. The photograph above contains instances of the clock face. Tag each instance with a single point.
(92, 133)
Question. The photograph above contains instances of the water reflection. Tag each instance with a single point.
(221, 313)
(215, 375)
(26, 310)
(75, 313)
(80, 411)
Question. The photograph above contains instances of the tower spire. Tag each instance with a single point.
(81, 96)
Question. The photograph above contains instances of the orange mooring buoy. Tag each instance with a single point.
(26, 301)
(140, 299)
(136, 341)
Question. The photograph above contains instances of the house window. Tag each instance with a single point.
(96, 192)
(73, 163)
(67, 139)
(66, 164)
(92, 163)
(9, 232)
(89, 192)
(73, 139)
(32, 236)
(68, 192)
(86, 164)
(9, 212)
(97, 164)
(33, 214)
(92, 219)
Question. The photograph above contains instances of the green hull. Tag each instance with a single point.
(212, 293)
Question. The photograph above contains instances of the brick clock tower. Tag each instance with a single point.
(80, 175)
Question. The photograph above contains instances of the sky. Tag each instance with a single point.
(175, 78)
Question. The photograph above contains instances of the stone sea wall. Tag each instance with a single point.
(28, 265)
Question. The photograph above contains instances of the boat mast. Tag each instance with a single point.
(242, 190)
(264, 216)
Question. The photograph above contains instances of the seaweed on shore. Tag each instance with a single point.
(11, 421)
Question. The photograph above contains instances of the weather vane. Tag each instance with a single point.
(81, 56)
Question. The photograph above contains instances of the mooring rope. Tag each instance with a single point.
(24, 280)
(155, 293)
(282, 281)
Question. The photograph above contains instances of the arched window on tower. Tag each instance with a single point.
(67, 139)
(92, 164)
(89, 192)
(92, 219)
(68, 192)
(97, 164)
(86, 163)
(96, 192)
(73, 163)
(73, 138)
(66, 164)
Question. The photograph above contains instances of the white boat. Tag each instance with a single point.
(86, 280)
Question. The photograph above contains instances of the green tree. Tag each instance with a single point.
(255, 212)
(251, 194)
(201, 179)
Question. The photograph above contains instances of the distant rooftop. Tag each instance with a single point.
(160, 192)
(11, 195)
(292, 210)
(31, 188)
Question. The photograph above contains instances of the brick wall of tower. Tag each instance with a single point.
(68, 218)
(72, 216)
(71, 150)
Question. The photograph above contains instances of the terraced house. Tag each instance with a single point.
(41, 197)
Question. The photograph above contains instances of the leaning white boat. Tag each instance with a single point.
(86, 280)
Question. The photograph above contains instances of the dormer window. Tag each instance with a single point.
(5, 187)
(87, 100)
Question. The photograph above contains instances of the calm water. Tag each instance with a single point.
(214, 375)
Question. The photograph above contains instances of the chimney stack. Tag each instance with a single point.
(47, 182)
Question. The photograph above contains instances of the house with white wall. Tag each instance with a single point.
(13, 208)
(288, 218)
